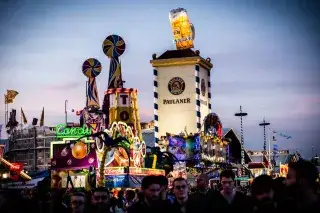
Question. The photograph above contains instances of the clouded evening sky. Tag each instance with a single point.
(266, 58)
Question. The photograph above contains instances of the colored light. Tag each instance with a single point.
(79, 150)
(64, 132)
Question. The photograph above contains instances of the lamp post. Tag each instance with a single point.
(35, 144)
(65, 111)
(241, 114)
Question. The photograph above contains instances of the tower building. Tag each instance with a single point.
(181, 91)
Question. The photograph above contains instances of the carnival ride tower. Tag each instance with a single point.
(120, 104)
(91, 115)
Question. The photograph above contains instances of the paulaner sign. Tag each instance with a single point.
(62, 131)
(177, 101)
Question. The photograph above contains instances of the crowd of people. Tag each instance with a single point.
(296, 193)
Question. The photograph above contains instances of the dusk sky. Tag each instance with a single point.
(266, 58)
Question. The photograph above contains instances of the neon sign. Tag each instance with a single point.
(112, 171)
(65, 132)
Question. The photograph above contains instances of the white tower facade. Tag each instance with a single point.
(181, 91)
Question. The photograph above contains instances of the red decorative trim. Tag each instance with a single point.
(120, 90)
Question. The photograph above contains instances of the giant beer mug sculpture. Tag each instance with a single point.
(183, 30)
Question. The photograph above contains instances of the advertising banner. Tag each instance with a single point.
(185, 148)
(15, 170)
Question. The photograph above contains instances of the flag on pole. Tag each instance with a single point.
(282, 135)
(11, 94)
(42, 117)
(275, 151)
(7, 100)
(275, 148)
(25, 121)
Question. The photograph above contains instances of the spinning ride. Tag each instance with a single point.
(91, 68)
(110, 144)
(120, 104)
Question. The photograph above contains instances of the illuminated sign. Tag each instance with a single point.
(16, 167)
(116, 181)
(62, 131)
(261, 153)
(244, 178)
(177, 101)
(132, 171)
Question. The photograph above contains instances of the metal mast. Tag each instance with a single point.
(241, 114)
(264, 124)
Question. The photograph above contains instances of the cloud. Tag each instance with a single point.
(64, 86)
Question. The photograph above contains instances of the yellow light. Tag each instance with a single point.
(154, 163)
(79, 150)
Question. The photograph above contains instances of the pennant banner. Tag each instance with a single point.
(275, 147)
(282, 135)
(275, 151)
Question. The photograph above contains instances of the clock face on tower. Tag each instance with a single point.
(176, 86)
(203, 87)
(124, 115)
